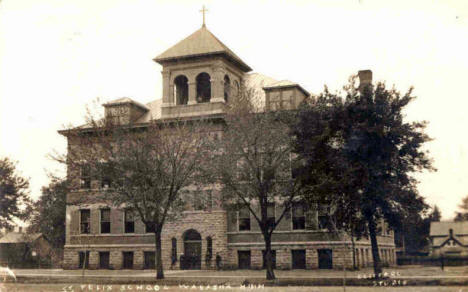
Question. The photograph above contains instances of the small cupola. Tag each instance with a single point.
(124, 111)
(284, 95)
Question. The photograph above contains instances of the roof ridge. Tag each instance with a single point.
(202, 42)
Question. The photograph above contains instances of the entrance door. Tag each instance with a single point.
(192, 250)
(325, 257)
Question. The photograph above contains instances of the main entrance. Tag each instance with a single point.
(192, 251)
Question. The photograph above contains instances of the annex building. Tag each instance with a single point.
(200, 76)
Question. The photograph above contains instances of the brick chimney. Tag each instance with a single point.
(365, 79)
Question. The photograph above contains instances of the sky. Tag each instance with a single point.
(58, 56)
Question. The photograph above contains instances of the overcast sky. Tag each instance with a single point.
(57, 56)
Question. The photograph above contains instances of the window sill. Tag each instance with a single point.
(114, 234)
(279, 231)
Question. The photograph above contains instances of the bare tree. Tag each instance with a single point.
(253, 165)
(144, 167)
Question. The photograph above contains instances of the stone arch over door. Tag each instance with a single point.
(192, 250)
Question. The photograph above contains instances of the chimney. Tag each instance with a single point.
(365, 79)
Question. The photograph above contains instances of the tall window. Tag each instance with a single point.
(203, 87)
(106, 176)
(244, 219)
(129, 221)
(85, 216)
(271, 214)
(105, 221)
(127, 259)
(85, 176)
(298, 216)
(149, 260)
(174, 250)
(323, 219)
(209, 248)
(227, 88)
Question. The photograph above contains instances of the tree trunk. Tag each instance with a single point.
(159, 265)
(353, 246)
(270, 274)
(375, 247)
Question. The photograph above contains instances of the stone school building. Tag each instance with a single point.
(200, 76)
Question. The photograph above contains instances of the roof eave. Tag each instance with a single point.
(125, 103)
(306, 93)
(244, 67)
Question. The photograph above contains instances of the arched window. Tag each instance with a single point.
(174, 250)
(181, 89)
(236, 89)
(209, 249)
(203, 87)
(227, 88)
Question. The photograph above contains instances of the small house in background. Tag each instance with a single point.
(24, 250)
(449, 238)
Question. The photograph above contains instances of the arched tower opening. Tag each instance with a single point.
(203, 87)
(181, 89)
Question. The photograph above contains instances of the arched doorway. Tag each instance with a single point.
(192, 250)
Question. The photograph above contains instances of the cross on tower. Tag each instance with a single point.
(203, 11)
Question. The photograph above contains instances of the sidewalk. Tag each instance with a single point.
(413, 275)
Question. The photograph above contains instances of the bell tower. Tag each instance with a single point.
(200, 75)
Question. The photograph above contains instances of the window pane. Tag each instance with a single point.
(86, 176)
(151, 227)
(244, 212)
(105, 215)
(244, 224)
(128, 216)
(105, 227)
(298, 210)
(85, 215)
(129, 227)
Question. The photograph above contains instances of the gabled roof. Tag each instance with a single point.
(443, 228)
(200, 43)
(16, 237)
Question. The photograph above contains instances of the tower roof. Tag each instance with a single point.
(200, 43)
